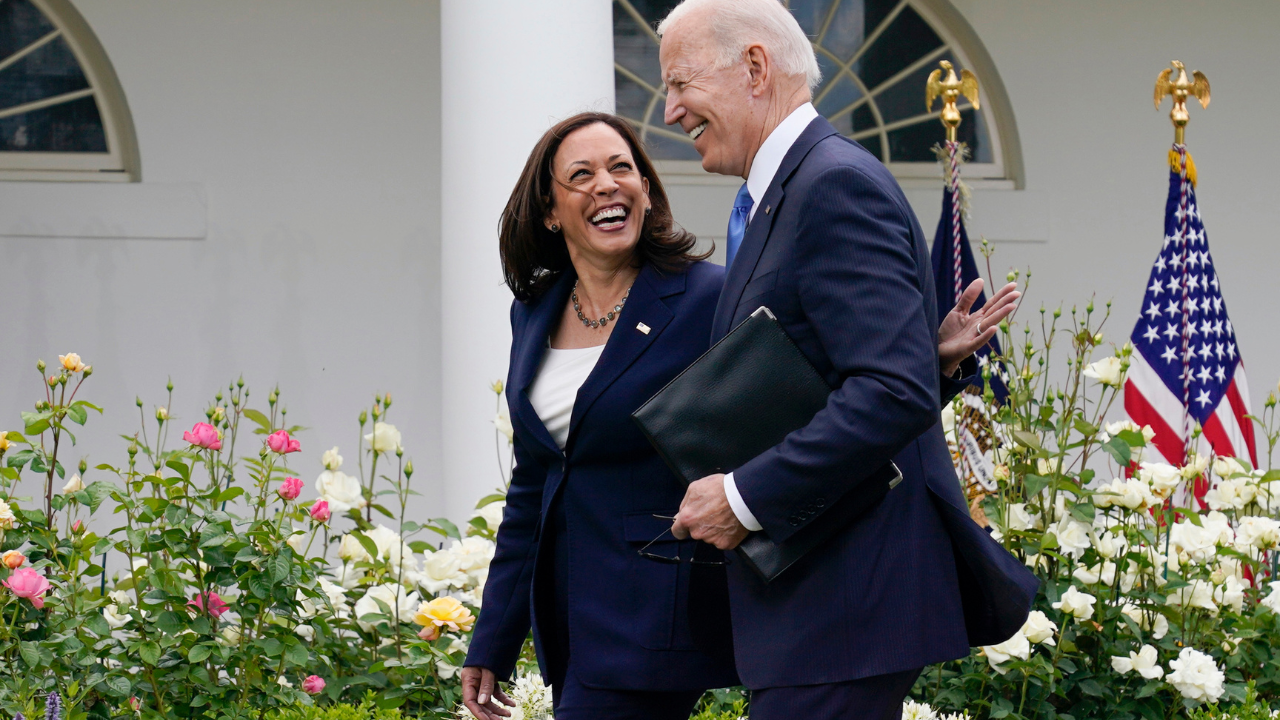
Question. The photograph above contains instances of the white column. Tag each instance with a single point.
(510, 68)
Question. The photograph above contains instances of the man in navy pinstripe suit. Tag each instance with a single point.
(823, 236)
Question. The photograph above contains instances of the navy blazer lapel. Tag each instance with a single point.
(627, 342)
(757, 235)
(533, 346)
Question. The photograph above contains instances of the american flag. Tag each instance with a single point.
(1186, 366)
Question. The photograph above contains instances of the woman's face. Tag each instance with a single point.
(599, 198)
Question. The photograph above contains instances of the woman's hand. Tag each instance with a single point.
(479, 692)
(962, 332)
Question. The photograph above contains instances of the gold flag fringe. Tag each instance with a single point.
(1176, 167)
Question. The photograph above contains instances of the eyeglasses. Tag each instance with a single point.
(644, 551)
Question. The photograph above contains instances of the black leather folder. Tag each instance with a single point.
(741, 398)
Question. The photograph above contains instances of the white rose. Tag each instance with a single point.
(1045, 467)
(1018, 518)
(1073, 537)
(283, 681)
(306, 632)
(383, 537)
(388, 594)
(384, 438)
(1015, 647)
(115, 619)
(491, 513)
(1108, 371)
(6, 515)
(474, 554)
(1231, 494)
(229, 635)
(1150, 621)
(1195, 466)
(337, 596)
(1198, 594)
(121, 598)
(1162, 477)
(1257, 531)
(503, 424)
(1039, 629)
(297, 541)
(342, 491)
(1120, 426)
(1108, 544)
(1230, 594)
(75, 484)
(949, 422)
(441, 570)
(1226, 467)
(347, 575)
(1272, 600)
(1145, 662)
(350, 549)
(1197, 541)
(1196, 676)
(306, 608)
(331, 459)
(912, 710)
(1076, 604)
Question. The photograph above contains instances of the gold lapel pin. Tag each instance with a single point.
(642, 328)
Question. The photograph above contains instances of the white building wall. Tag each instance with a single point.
(311, 128)
(1080, 75)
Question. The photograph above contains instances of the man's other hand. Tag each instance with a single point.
(705, 515)
(481, 695)
(962, 333)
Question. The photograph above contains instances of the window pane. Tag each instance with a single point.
(907, 39)
(873, 144)
(632, 99)
(914, 143)
(20, 25)
(810, 14)
(634, 48)
(905, 98)
(49, 71)
(853, 21)
(69, 127)
(842, 93)
(664, 148)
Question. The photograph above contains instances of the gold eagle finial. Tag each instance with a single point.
(950, 88)
(1180, 87)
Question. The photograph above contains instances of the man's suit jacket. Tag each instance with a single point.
(629, 621)
(835, 252)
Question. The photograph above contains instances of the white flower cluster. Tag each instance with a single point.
(1037, 630)
(912, 710)
(533, 700)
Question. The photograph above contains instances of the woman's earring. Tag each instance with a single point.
(555, 228)
(647, 211)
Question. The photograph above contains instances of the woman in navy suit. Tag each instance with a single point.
(612, 302)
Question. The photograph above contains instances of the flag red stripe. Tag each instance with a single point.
(1217, 436)
(1140, 411)
(1239, 409)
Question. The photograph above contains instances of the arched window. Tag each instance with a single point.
(63, 114)
(875, 56)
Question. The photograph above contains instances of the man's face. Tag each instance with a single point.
(714, 107)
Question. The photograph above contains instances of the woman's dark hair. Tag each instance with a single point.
(533, 257)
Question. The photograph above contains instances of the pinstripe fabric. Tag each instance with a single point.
(843, 264)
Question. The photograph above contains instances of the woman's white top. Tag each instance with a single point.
(555, 388)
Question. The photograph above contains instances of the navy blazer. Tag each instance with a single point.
(630, 625)
(835, 251)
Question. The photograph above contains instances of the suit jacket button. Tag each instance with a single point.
(820, 502)
(794, 521)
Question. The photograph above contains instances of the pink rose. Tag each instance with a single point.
(320, 511)
(77, 527)
(29, 584)
(313, 685)
(281, 444)
(290, 488)
(203, 435)
(216, 606)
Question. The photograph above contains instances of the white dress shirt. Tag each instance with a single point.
(760, 177)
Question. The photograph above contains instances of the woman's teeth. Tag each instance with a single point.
(694, 133)
(609, 217)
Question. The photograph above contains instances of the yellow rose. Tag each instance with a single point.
(4, 442)
(444, 612)
(71, 362)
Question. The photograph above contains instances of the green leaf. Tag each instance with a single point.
(296, 654)
(1083, 511)
(450, 530)
(280, 566)
(367, 543)
(30, 653)
(149, 652)
(390, 703)
(199, 653)
(98, 491)
(97, 625)
(118, 685)
(1034, 484)
(16, 437)
(1028, 439)
(1085, 428)
(229, 494)
(169, 623)
(1118, 449)
(77, 415)
(271, 646)
(20, 458)
(183, 470)
(487, 499)
(8, 472)
(258, 418)
(259, 586)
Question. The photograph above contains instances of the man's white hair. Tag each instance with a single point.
(739, 23)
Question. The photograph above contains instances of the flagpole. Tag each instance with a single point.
(944, 83)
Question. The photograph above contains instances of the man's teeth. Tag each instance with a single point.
(608, 214)
(694, 133)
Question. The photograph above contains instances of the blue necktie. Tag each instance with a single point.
(737, 224)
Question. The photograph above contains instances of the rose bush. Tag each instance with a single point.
(203, 578)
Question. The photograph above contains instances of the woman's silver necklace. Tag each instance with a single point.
(595, 324)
